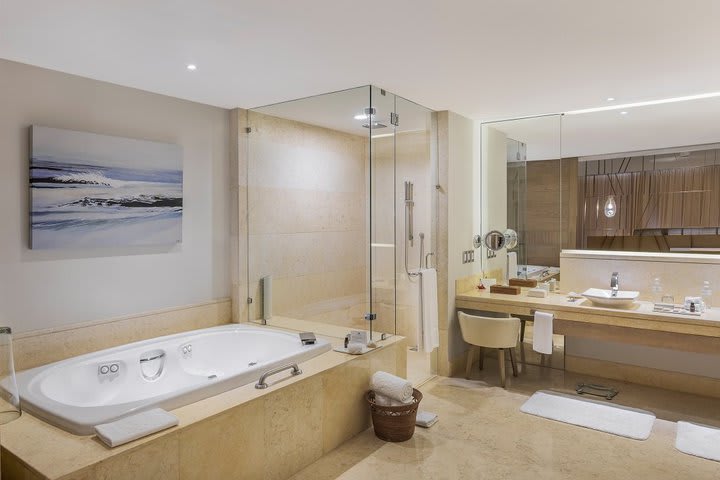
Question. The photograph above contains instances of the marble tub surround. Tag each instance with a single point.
(40, 347)
(482, 434)
(335, 333)
(279, 430)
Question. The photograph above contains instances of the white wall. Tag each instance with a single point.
(45, 289)
(462, 208)
(494, 192)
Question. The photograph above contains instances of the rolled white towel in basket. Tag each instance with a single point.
(393, 387)
(384, 401)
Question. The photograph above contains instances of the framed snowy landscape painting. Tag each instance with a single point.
(90, 190)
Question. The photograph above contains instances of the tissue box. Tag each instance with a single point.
(537, 292)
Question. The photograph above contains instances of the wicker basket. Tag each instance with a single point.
(394, 424)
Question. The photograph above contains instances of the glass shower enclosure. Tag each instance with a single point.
(325, 197)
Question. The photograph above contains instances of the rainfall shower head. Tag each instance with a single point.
(369, 116)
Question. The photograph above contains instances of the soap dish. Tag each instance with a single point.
(537, 292)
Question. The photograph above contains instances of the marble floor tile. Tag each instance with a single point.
(482, 434)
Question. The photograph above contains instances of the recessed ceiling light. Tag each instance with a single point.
(645, 104)
(611, 99)
(623, 112)
(192, 67)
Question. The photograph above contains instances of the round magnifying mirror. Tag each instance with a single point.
(511, 238)
(494, 240)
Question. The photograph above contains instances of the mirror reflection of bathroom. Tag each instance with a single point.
(344, 157)
(530, 151)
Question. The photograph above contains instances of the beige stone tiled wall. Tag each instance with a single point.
(238, 220)
(37, 348)
(306, 213)
(680, 274)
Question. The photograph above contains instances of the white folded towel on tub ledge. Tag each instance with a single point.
(390, 386)
(135, 426)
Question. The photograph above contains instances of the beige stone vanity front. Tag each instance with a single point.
(636, 324)
(242, 433)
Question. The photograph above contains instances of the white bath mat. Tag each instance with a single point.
(699, 440)
(623, 421)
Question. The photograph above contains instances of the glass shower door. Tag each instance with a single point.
(416, 235)
(381, 211)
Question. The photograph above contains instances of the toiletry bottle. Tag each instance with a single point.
(657, 290)
(706, 294)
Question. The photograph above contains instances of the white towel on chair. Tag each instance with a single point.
(135, 426)
(543, 333)
(429, 332)
(390, 386)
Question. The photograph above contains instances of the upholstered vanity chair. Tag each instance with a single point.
(489, 332)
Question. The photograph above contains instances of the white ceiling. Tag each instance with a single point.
(644, 128)
(483, 59)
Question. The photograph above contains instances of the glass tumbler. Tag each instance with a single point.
(9, 396)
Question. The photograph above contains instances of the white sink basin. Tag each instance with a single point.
(606, 299)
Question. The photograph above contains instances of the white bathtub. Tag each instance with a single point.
(84, 391)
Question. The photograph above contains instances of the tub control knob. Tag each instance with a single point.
(189, 348)
(185, 350)
(104, 369)
(114, 368)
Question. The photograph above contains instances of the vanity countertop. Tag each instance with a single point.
(638, 315)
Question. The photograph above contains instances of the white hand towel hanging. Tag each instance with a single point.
(429, 333)
(543, 333)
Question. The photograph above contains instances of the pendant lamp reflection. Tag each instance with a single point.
(610, 207)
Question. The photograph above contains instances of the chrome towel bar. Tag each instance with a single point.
(290, 366)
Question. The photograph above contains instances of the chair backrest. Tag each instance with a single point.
(488, 331)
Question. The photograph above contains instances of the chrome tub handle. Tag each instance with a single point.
(295, 371)
(151, 358)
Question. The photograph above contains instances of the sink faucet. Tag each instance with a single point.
(614, 284)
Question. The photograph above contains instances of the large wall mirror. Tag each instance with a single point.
(640, 178)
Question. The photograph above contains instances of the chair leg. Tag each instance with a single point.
(513, 363)
(501, 361)
(482, 356)
(522, 330)
(470, 355)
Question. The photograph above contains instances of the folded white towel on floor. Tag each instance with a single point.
(699, 440)
(384, 401)
(543, 333)
(425, 419)
(391, 386)
(135, 426)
